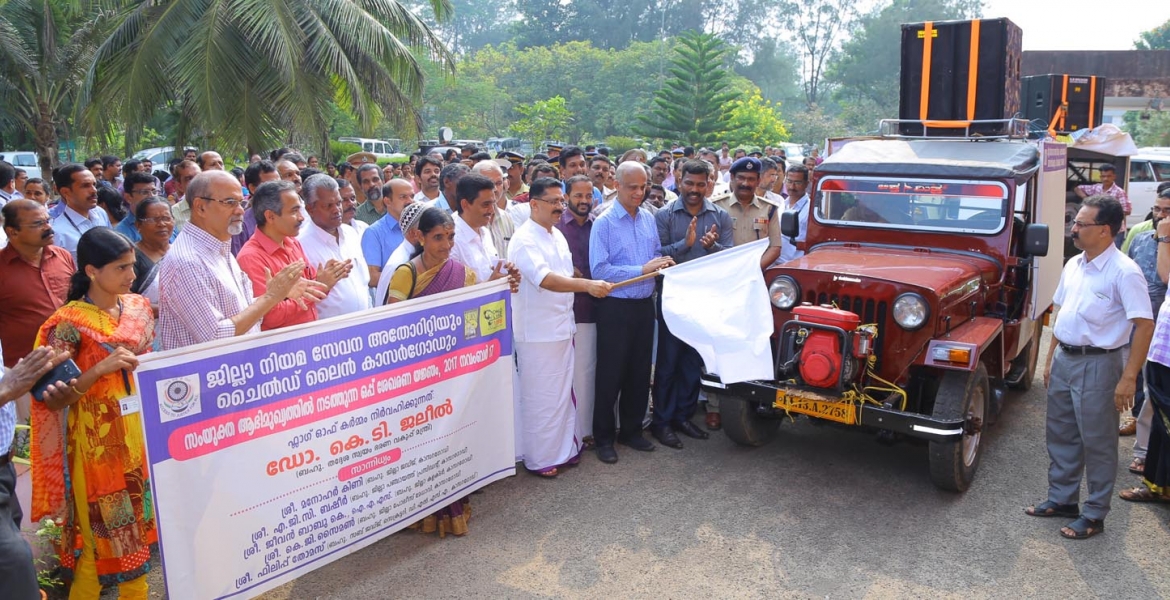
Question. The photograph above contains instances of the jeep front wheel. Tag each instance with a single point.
(743, 424)
(961, 395)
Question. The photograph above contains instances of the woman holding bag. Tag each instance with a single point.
(88, 447)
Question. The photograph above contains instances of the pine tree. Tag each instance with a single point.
(689, 106)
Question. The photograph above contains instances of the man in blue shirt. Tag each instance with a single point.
(690, 227)
(385, 235)
(136, 188)
(78, 189)
(623, 245)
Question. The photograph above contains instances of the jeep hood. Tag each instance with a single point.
(942, 273)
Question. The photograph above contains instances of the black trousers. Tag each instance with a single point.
(625, 343)
(18, 576)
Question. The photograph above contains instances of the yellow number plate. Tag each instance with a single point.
(841, 412)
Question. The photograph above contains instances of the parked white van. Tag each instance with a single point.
(23, 159)
(379, 148)
(1147, 170)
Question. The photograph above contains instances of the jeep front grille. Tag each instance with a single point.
(869, 310)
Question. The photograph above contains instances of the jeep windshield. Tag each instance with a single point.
(953, 206)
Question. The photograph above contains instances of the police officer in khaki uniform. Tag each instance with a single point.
(753, 218)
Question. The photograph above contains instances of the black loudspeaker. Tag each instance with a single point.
(954, 72)
(1083, 95)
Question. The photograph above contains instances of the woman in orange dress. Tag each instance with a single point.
(88, 449)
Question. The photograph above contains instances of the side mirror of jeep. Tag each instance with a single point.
(1036, 240)
(790, 224)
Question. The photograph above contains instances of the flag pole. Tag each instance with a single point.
(638, 278)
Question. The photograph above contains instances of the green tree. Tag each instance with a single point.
(543, 120)
(1148, 128)
(250, 74)
(818, 27)
(45, 49)
(753, 121)
(689, 106)
(1157, 38)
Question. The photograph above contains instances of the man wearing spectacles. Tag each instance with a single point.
(1100, 301)
(184, 173)
(137, 187)
(544, 330)
(203, 293)
(796, 180)
(36, 280)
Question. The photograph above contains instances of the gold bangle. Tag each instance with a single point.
(77, 391)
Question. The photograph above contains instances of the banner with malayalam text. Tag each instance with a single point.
(272, 455)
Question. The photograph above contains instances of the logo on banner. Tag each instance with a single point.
(492, 318)
(178, 398)
(470, 323)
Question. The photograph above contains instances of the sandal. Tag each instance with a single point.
(1138, 466)
(548, 473)
(1049, 508)
(1083, 528)
(1143, 494)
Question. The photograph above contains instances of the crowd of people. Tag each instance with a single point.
(111, 259)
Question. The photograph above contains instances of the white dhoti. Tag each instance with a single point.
(584, 371)
(547, 415)
(517, 430)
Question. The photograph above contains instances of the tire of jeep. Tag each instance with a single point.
(967, 396)
(1030, 356)
(742, 424)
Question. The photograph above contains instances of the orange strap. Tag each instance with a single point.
(927, 46)
(946, 124)
(1063, 102)
(1092, 98)
(973, 70)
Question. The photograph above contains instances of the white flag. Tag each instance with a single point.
(719, 305)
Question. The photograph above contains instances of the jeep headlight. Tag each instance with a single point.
(911, 311)
(784, 292)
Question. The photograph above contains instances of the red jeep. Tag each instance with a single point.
(920, 299)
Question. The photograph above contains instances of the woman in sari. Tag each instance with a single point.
(431, 270)
(90, 456)
(153, 219)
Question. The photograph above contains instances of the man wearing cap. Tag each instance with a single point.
(554, 151)
(753, 217)
(515, 171)
(403, 253)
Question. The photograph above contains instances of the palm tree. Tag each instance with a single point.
(251, 73)
(45, 49)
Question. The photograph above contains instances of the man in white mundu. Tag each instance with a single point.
(543, 327)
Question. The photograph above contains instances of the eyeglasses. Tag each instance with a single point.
(41, 224)
(1080, 225)
(157, 221)
(231, 203)
(148, 193)
(795, 182)
(1158, 210)
(561, 202)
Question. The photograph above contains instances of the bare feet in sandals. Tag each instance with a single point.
(1083, 528)
(1137, 466)
(1143, 494)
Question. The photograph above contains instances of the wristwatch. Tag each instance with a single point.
(1164, 239)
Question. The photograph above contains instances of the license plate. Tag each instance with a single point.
(841, 412)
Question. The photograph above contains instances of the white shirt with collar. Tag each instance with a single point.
(352, 293)
(1098, 298)
(474, 249)
(788, 250)
(70, 224)
(541, 315)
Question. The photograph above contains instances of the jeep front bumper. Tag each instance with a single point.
(778, 398)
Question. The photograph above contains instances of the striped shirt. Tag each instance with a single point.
(201, 287)
(1160, 343)
(7, 423)
(618, 247)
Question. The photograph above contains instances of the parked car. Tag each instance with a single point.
(23, 159)
(160, 158)
(1147, 171)
(379, 148)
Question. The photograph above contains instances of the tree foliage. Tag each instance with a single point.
(45, 49)
(1148, 128)
(245, 74)
(753, 121)
(543, 120)
(818, 28)
(1157, 38)
(689, 106)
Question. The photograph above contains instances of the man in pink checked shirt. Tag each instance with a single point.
(1108, 186)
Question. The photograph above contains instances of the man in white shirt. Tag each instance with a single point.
(78, 189)
(797, 182)
(1100, 299)
(427, 170)
(544, 326)
(325, 239)
(475, 199)
(502, 225)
